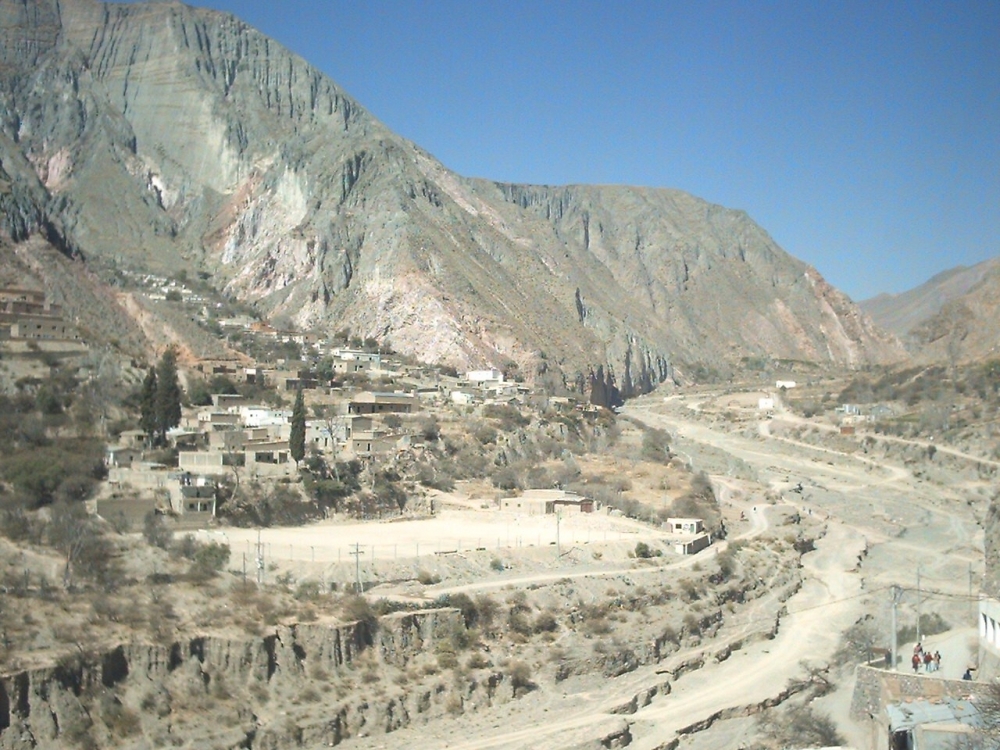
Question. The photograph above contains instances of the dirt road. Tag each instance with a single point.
(874, 511)
(808, 634)
(760, 670)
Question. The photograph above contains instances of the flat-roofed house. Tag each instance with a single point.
(693, 545)
(686, 525)
(368, 402)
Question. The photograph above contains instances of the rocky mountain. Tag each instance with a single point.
(155, 135)
(954, 315)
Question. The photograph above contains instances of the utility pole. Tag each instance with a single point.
(919, 639)
(358, 552)
(558, 545)
(260, 560)
(895, 599)
(970, 591)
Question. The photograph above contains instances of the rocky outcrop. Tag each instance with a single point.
(162, 136)
(952, 317)
(139, 690)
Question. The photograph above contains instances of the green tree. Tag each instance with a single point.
(168, 394)
(68, 470)
(147, 404)
(297, 438)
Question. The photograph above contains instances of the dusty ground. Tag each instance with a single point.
(877, 510)
(883, 519)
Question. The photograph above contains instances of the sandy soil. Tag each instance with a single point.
(881, 520)
(447, 532)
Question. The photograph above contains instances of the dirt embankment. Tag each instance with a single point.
(272, 691)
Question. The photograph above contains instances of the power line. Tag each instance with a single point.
(840, 601)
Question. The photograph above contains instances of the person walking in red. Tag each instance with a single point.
(916, 663)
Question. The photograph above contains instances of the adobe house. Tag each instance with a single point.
(532, 506)
(122, 458)
(268, 457)
(210, 420)
(15, 294)
(132, 438)
(227, 400)
(369, 444)
(540, 502)
(352, 366)
(686, 525)
(368, 402)
(694, 545)
(37, 327)
(201, 462)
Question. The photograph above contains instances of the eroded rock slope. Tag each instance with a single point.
(162, 136)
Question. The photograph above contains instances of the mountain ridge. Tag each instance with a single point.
(951, 316)
(164, 136)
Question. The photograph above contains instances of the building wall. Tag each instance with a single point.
(686, 525)
(200, 462)
(694, 545)
(989, 631)
(527, 505)
(41, 328)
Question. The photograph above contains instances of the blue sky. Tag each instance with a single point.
(865, 137)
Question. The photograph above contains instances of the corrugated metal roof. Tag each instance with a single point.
(910, 714)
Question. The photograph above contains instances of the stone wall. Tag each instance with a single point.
(876, 688)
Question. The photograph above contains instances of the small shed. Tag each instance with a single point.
(694, 545)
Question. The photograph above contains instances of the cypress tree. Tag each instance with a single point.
(297, 438)
(168, 393)
(147, 405)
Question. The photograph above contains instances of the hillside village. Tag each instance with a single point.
(366, 409)
(237, 435)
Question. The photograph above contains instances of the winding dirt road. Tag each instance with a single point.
(869, 506)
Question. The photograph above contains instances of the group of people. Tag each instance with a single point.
(931, 662)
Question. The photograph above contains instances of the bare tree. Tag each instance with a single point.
(797, 726)
(76, 534)
(860, 642)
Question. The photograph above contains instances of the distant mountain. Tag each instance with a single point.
(155, 135)
(956, 314)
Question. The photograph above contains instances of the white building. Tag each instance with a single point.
(462, 398)
(989, 630)
(686, 525)
(484, 376)
(356, 355)
(262, 416)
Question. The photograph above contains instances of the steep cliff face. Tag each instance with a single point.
(259, 691)
(158, 135)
